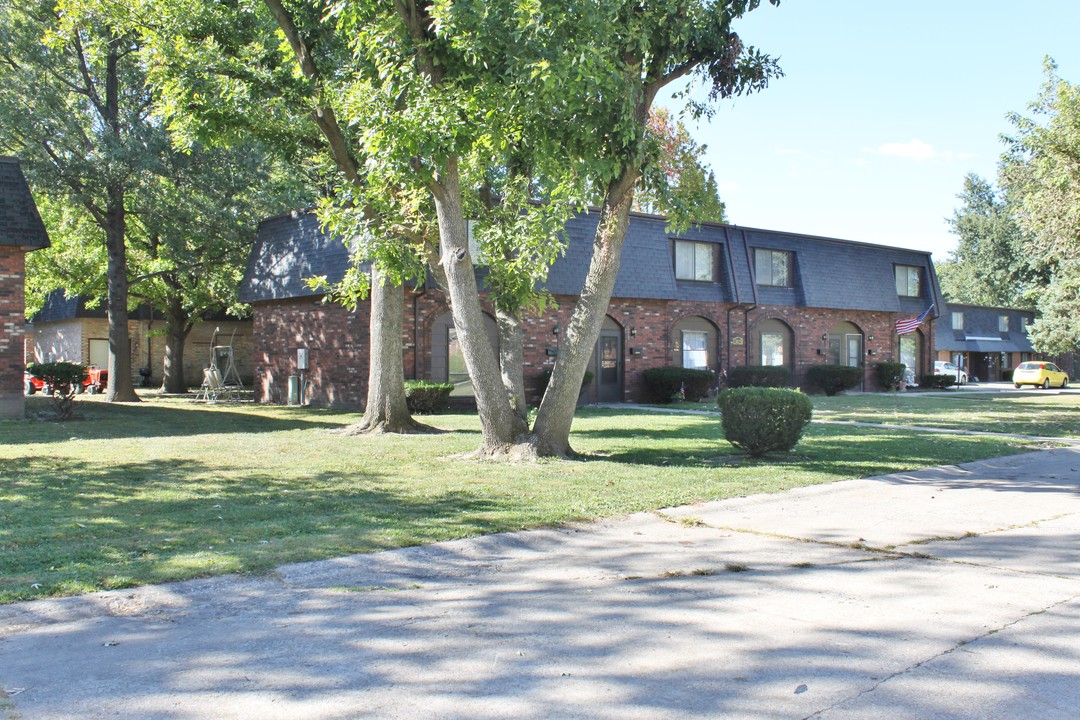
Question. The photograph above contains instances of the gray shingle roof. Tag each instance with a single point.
(288, 250)
(58, 306)
(827, 272)
(981, 333)
(20, 223)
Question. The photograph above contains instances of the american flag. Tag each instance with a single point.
(903, 327)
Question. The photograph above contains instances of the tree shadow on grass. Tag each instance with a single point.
(845, 452)
(104, 421)
(74, 526)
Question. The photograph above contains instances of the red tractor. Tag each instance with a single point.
(94, 381)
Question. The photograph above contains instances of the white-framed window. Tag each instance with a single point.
(772, 267)
(907, 281)
(958, 321)
(695, 349)
(772, 348)
(1003, 323)
(694, 261)
(474, 244)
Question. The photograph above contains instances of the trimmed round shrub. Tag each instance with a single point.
(759, 376)
(831, 379)
(664, 383)
(889, 374)
(761, 420)
(425, 397)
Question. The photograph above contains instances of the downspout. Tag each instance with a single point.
(746, 314)
(746, 332)
(416, 330)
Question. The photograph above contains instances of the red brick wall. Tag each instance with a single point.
(12, 351)
(337, 341)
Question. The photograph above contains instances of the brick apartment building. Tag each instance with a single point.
(65, 329)
(715, 297)
(986, 342)
(21, 231)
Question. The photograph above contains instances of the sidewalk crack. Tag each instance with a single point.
(943, 653)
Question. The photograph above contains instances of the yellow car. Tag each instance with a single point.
(1041, 374)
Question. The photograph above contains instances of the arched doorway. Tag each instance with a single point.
(607, 364)
(846, 345)
(909, 352)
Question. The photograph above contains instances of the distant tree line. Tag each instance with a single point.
(1019, 243)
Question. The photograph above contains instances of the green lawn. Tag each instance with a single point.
(1049, 414)
(167, 490)
(1022, 413)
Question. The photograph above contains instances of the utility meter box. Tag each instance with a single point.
(301, 359)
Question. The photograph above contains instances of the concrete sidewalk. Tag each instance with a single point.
(945, 593)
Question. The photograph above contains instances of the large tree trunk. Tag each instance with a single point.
(386, 410)
(511, 360)
(172, 380)
(500, 424)
(121, 386)
(551, 432)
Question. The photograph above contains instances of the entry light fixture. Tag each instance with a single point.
(555, 330)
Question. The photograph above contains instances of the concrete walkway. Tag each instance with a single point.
(946, 593)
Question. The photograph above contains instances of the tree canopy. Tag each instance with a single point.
(1040, 173)
(988, 266)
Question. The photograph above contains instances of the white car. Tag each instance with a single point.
(947, 368)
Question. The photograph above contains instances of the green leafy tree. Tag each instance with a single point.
(444, 90)
(191, 237)
(676, 183)
(76, 109)
(649, 46)
(1041, 176)
(270, 70)
(989, 265)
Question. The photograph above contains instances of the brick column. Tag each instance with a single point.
(12, 351)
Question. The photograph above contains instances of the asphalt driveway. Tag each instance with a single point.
(946, 593)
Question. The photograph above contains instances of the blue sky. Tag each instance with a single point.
(884, 108)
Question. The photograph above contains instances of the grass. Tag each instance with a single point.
(1048, 415)
(168, 490)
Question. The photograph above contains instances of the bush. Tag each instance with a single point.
(759, 376)
(425, 396)
(62, 380)
(544, 377)
(889, 374)
(831, 379)
(938, 382)
(664, 383)
(759, 420)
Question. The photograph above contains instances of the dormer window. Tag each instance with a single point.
(907, 281)
(694, 261)
(772, 267)
(1003, 323)
(958, 321)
